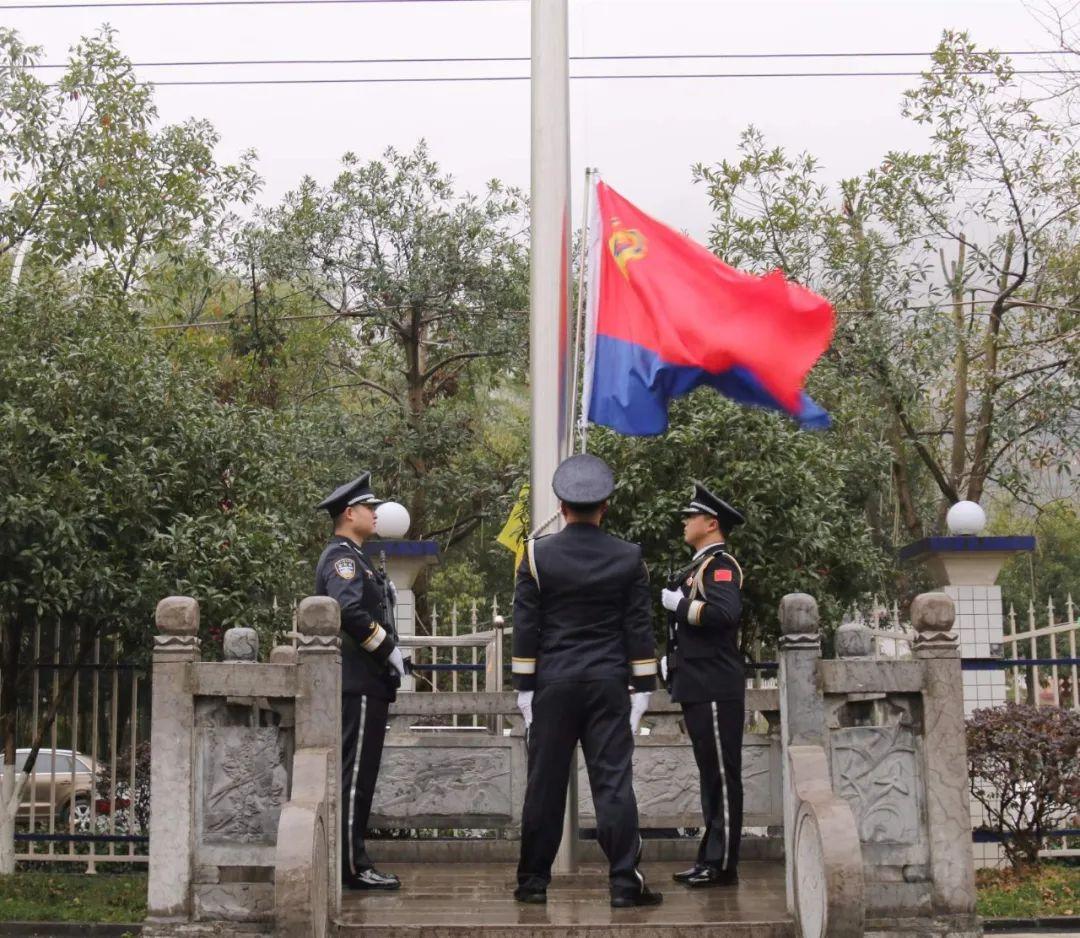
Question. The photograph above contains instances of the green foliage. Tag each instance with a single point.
(124, 479)
(88, 174)
(430, 285)
(804, 496)
(1052, 571)
(954, 275)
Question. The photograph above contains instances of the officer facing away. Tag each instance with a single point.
(704, 671)
(371, 667)
(582, 637)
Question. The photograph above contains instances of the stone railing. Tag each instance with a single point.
(244, 779)
(876, 824)
(463, 777)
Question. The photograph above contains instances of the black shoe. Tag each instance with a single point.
(710, 876)
(686, 875)
(531, 896)
(645, 897)
(371, 878)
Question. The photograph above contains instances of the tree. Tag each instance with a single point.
(952, 273)
(1052, 571)
(804, 496)
(91, 178)
(124, 478)
(432, 285)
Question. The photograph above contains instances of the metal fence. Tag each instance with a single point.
(86, 799)
(1039, 673)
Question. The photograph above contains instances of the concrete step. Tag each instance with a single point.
(456, 900)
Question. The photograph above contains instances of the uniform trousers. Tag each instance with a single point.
(363, 729)
(715, 728)
(596, 714)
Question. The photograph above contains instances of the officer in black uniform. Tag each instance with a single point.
(371, 667)
(582, 637)
(704, 671)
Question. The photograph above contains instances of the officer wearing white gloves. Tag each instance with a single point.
(582, 636)
(372, 667)
(704, 672)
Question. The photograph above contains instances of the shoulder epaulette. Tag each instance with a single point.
(530, 553)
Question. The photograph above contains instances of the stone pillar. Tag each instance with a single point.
(318, 707)
(802, 707)
(945, 752)
(172, 742)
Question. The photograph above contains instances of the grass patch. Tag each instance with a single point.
(73, 897)
(1047, 888)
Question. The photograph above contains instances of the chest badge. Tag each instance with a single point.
(345, 568)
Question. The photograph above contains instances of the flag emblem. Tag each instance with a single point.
(721, 576)
(626, 244)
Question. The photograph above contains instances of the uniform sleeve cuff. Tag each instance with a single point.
(690, 611)
(524, 682)
(378, 643)
(646, 683)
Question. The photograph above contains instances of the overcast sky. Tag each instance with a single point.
(643, 134)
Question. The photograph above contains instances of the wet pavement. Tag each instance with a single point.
(460, 899)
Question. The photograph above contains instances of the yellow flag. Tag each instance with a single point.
(513, 534)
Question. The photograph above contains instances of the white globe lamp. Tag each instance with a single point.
(966, 518)
(392, 520)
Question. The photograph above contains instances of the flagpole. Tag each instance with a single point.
(549, 294)
(580, 426)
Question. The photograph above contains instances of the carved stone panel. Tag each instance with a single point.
(443, 781)
(668, 789)
(876, 770)
(243, 784)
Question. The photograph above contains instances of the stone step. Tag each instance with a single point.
(475, 899)
(462, 850)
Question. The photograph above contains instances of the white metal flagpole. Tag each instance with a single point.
(549, 292)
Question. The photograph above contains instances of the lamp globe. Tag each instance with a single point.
(393, 520)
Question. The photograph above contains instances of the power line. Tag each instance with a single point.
(509, 78)
(487, 59)
(217, 3)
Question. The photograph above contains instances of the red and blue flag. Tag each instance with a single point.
(666, 315)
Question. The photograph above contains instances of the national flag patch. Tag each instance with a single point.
(722, 576)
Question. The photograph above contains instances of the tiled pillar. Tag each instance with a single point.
(980, 628)
(404, 562)
(966, 568)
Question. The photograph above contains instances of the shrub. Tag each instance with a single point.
(1024, 765)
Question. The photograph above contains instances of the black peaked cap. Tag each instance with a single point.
(357, 492)
(704, 502)
(583, 479)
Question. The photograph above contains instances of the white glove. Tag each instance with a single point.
(669, 599)
(525, 706)
(663, 668)
(639, 703)
(397, 662)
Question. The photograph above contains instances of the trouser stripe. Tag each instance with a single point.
(723, 787)
(352, 790)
